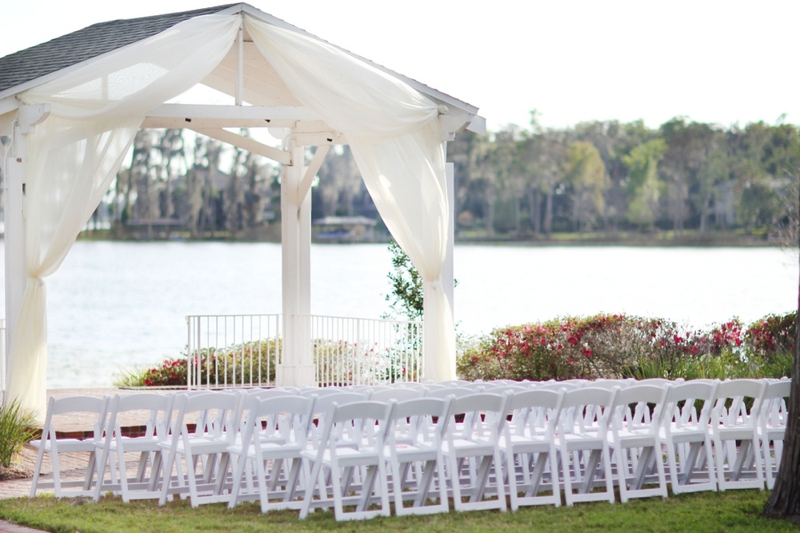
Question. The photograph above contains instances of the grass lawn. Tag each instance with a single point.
(728, 511)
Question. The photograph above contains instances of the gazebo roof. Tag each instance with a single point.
(36, 65)
(88, 43)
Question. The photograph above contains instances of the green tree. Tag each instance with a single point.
(643, 185)
(586, 174)
(407, 292)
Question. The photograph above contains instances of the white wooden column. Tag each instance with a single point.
(15, 263)
(297, 368)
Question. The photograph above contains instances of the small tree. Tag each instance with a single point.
(406, 296)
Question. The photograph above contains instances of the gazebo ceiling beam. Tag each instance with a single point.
(246, 143)
(233, 116)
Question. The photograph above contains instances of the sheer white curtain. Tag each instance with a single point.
(73, 156)
(396, 139)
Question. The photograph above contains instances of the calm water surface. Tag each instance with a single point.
(116, 305)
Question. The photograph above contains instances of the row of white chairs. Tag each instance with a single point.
(421, 446)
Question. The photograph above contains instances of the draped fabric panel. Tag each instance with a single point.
(97, 108)
(75, 153)
(394, 133)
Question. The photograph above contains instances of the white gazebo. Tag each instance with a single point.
(70, 108)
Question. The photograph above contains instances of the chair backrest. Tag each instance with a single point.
(587, 409)
(76, 404)
(285, 419)
(457, 392)
(731, 407)
(774, 411)
(611, 383)
(456, 383)
(397, 394)
(324, 404)
(632, 407)
(214, 413)
(535, 411)
(158, 405)
(501, 389)
(559, 385)
(321, 392)
(355, 425)
(660, 381)
(682, 402)
(419, 420)
(484, 414)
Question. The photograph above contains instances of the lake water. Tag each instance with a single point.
(115, 305)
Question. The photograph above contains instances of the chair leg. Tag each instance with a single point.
(37, 469)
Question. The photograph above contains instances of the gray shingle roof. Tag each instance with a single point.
(92, 41)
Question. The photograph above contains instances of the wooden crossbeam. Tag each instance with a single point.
(224, 116)
(311, 171)
(246, 143)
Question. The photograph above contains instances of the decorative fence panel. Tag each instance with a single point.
(244, 350)
(233, 350)
(357, 351)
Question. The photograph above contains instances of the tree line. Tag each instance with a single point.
(610, 177)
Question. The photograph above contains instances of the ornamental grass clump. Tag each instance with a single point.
(16, 429)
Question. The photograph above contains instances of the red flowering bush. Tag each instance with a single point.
(612, 346)
(172, 372)
(772, 335)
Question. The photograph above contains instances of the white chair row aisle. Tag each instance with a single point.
(358, 450)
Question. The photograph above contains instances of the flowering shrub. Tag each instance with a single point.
(171, 372)
(612, 346)
(772, 335)
(234, 364)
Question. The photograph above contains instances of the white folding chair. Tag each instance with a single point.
(353, 438)
(583, 444)
(409, 442)
(275, 434)
(397, 394)
(56, 409)
(636, 439)
(203, 443)
(528, 443)
(609, 384)
(772, 427)
(158, 408)
(472, 448)
(738, 467)
(684, 431)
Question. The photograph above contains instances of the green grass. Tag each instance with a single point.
(723, 512)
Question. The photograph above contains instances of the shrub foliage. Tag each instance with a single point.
(613, 346)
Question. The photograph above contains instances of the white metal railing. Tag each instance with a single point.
(358, 351)
(233, 350)
(244, 350)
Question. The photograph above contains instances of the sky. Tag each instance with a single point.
(710, 61)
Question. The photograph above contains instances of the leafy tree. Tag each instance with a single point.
(407, 293)
(586, 173)
(643, 186)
